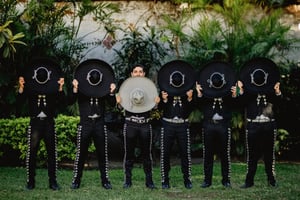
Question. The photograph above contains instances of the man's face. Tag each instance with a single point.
(138, 72)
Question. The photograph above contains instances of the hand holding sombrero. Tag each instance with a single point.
(176, 77)
(259, 75)
(94, 77)
(138, 94)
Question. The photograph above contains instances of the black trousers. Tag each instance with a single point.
(216, 139)
(260, 142)
(170, 133)
(88, 130)
(135, 133)
(41, 129)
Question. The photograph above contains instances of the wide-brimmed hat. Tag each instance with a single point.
(94, 77)
(216, 79)
(176, 77)
(42, 76)
(138, 94)
(259, 75)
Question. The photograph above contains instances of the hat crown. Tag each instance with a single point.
(94, 77)
(137, 96)
(259, 77)
(216, 80)
(177, 79)
(41, 75)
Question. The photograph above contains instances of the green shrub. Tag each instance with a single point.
(13, 134)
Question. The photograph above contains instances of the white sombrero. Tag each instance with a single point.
(138, 94)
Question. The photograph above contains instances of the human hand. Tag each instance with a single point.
(21, 84)
(61, 83)
(112, 88)
(75, 85)
(239, 87)
(157, 100)
(277, 89)
(189, 95)
(199, 89)
(118, 99)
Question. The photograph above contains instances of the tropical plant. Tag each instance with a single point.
(8, 40)
(139, 47)
(47, 33)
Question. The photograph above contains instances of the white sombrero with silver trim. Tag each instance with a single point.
(138, 94)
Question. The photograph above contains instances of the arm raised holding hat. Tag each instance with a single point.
(136, 97)
(216, 107)
(261, 128)
(42, 111)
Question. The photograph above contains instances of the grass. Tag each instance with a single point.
(12, 185)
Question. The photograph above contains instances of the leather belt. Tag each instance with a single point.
(260, 120)
(39, 118)
(139, 120)
(176, 120)
(93, 117)
(214, 121)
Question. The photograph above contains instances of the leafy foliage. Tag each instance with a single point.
(139, 47)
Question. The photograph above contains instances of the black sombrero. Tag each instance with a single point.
(138, 94)
(94, 77)
(216, 79)
(259, 75)
(42, 76)
(176, 77)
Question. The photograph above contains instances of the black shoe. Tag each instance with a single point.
(107, 186)
(188, 185)
(226, 184)
(127, 185)
(205, 185)
(150, 186)
(53, 185)
(273, 183)
(165, 185)
(246, 185)
(75, 186)
(30, 186)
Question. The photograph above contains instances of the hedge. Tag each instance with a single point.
(13, 135)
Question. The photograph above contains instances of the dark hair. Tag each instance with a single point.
(138, 65)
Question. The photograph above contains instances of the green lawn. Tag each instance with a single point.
(12, 185)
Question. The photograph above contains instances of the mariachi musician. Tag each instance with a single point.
(42, 87)
(260, 94)
(176, 80)
(216, 97)
(138, 96)
(93, 88)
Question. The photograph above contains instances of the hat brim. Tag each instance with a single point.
(141, 83)
(222, 68)
(164, 77)
(101, 89)
(51, 86)
(266, 65)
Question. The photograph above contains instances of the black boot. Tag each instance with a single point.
(149, 181)
(30, 185)
(188, 184)
(165, 183)
(249, 181)
(75, 184)
(106, 185)
(53, 184)
(128, 174)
